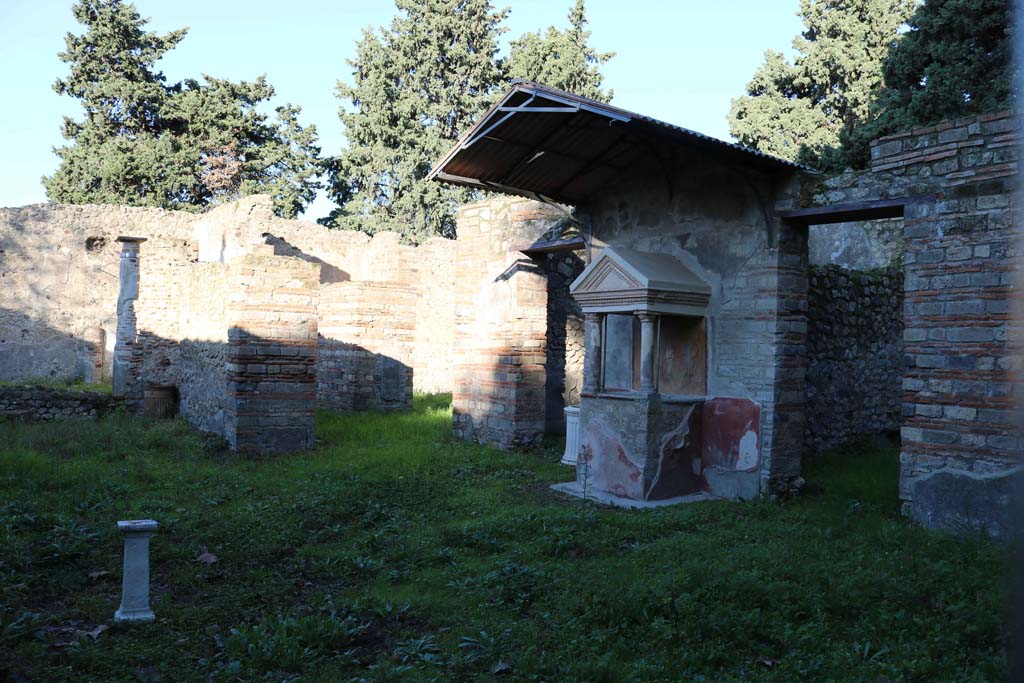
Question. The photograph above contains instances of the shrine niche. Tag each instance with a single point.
(646, 375)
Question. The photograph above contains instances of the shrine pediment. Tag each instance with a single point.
(624, 280)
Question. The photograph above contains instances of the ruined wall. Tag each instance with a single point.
(961, 441)
(709, 216)
(861, 245)
(854, 354)
(59, 268)
(565, 345)
(182, 330)
(45, 403)
(429, 270)
(501, 318)
(365, 355)
(272, 353)
(58, 278)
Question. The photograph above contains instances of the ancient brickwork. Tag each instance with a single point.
(429, 270)
(960, 437)
(59, 275)
(501, 323)
(272, 350)
(854, 354)
(44, 403)
(367, 333)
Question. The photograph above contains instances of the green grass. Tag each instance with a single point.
(104, 387)
(393, 552)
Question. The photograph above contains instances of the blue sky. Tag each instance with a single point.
(680, 61)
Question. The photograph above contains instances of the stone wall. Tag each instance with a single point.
(272, 353)
(565, 345)
(708, 214)
(45, 403)
(854, 354)
(429, 270)
(59, 270)
(365, 355)
(961, 440)
(59, 266)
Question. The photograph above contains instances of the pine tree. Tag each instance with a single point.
(562, 58)
(954, 60)
(416, 87)
(188, 145)
(798, 110)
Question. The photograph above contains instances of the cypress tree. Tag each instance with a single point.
(144, 142)
(416, 86)
(798, 110)
(562, 58)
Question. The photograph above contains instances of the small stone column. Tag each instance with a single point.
(124, 343)
(592, 356)
(647, 321)
(135, 584)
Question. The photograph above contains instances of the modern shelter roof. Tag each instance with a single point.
(544, 143)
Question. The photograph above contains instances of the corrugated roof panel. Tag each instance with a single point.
(568, 149)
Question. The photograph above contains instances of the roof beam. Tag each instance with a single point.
(852, 211)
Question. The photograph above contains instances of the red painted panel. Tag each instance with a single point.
(731, 428)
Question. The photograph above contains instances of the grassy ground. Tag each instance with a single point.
(393, 552)
(104, 387)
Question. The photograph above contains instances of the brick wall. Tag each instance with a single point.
(367, 333)
(272, 352)
(961, 438)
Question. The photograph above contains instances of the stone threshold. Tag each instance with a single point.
(575, 490)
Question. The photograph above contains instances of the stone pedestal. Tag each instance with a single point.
(135, 584)
(572, 435)
(640, 447)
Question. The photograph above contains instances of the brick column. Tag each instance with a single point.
(126, 352)
(501, 324)
(272, 350)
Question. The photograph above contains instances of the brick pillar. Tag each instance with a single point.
(783, 416)
(501, 324)
(127, 355)
(94, 343)
(961, 435)
(272, 348)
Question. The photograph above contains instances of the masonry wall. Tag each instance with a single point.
(59, 278)
(35, 403)
(854, 354)
(709, 215)
(961, 441)
(59, 268)
(272, 353)
(182, 324)
(565, 348)
(367, 337)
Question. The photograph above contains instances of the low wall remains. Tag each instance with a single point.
(25, 402)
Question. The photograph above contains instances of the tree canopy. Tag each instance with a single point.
(185, 145)
(563, 58)
(797, 110)
(417, 86)
(953, 60)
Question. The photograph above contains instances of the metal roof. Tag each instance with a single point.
(544, 143)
